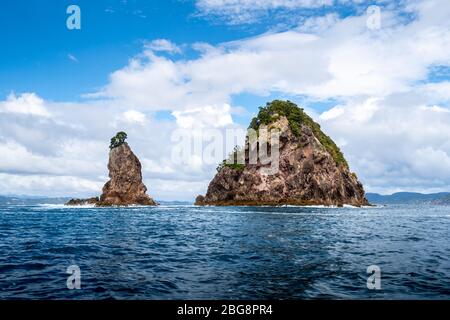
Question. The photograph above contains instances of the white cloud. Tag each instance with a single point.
(435, 109)
(239, 5)
(431, 163)
(344, 59)
(133, 116)
(151, 82)
(332, 113)
(207, 116)
(318, 24)
(439, 91)
(48, 185)
(238, 12)
(72, 146)
(152, 166)
(398, 145)
(168, 189)
(72, 157)
(162, 45)
(27, 103)
(248, 11)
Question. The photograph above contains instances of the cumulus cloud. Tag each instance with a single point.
(134, 116)
(437, 91)
(344, 59)
(207, 116)
(38, 185)
(27, 103)
(396, 145)
(67, 154)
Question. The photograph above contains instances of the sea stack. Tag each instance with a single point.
(312, 169)
(125, 186)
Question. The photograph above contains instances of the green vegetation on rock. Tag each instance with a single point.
(118, 140)
(232, 160)
(296, 118)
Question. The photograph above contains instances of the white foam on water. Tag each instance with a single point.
(63, 206)
(319, 206)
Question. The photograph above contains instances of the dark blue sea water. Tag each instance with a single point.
(187, 252)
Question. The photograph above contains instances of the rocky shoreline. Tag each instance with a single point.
(199, 201)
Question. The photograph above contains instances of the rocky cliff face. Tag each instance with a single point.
(125, 186)
(83, 202)
(312, 170)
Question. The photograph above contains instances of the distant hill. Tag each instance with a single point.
(175, 203)
(33, 200)
(24, 200)
(374, 198)
(443, 200)
(408, 197)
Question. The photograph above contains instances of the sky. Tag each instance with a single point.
(379, 87)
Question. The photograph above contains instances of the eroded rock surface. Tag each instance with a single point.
(125, 186)
(83, 202)
(312, 170)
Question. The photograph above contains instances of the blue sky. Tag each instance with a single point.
(38, 43)
(152, 67)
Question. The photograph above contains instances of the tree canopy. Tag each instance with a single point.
(233, 160)
(118, 139)
(296, 117)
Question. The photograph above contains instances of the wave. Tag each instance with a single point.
(63, 206)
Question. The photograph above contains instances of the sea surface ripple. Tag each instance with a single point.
(189, 252)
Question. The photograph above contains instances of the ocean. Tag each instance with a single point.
(189, 252)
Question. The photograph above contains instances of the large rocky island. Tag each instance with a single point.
(125, 186)
(312, 169)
